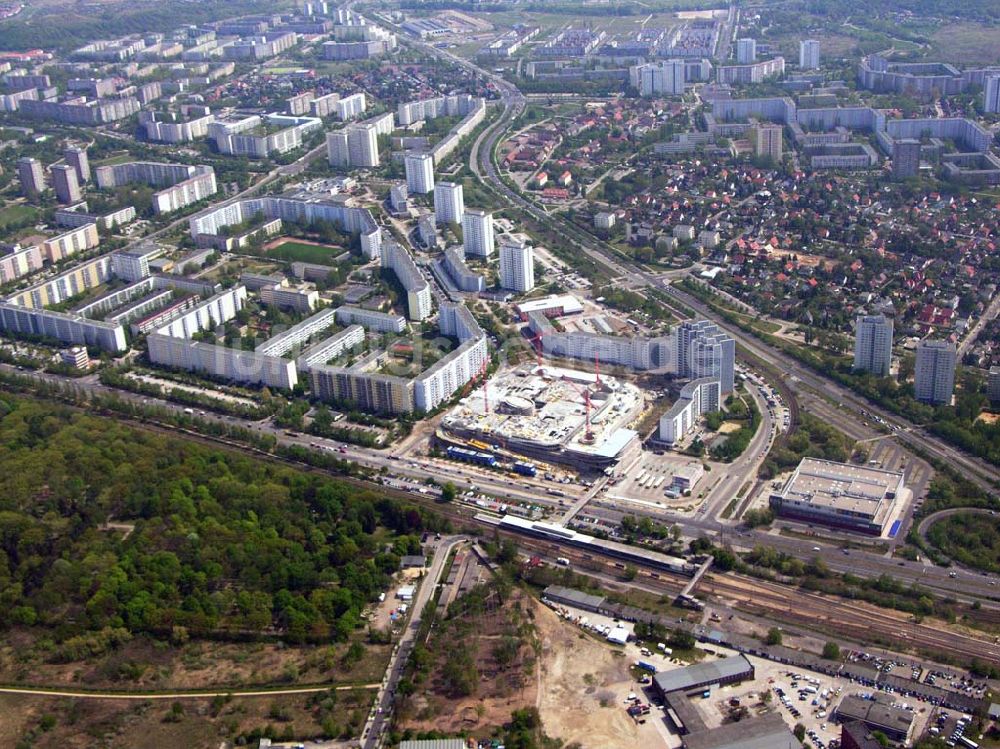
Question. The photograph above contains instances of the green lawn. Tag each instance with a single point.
(306, 253)
(15, 214)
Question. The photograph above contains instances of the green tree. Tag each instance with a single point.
(773, 636)
(831, 651)
(448, 492)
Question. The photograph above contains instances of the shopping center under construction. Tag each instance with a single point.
(551, 414)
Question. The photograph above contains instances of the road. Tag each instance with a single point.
(864, 564)
(983, 474)
(973, 334)
(378, 722)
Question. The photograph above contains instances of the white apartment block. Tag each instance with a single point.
(65, 184)
(704, 350)
(71, 242)
(449, 204)
(477, 232)
(809, 54)
(873, 344)
(418, 290)
(324, 106)
(441, 106)
(300, 103)
(634, 353)
(517, 266)
(349, 107)
(443, 378)
(258, 137)
(330, 348)
(172, 346)
(746, 51)
(303, 208)
(286, 298)
(20, 262)
(170, 131)
(991, 94)
(934, 376)
(77, 158)
(379, 322)
(32, 176)
(354, 146)
(64, 327)
(697, 397)
(285, 342)
(187, 192)
(666, 77)
(459, 273)
(419, 173)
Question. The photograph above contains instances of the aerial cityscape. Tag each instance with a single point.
(460, 374)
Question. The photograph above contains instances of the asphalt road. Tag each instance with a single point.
(370, 738)
(481, 160)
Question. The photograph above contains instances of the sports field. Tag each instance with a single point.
(305, 252)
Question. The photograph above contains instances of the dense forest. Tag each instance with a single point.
(107, 530)
(971, 539)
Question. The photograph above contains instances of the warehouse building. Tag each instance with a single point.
(561, 596)
(701, 675)
(843, 495)
(877, 715)
(766, 732)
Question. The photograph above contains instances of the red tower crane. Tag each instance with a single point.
(486, 395)
(585, 392)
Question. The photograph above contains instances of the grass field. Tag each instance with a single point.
(305, 253)
(968, 43)
(17, 213)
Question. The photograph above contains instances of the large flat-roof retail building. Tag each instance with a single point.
(859, 498)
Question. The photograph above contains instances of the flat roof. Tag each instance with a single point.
(875, 714)
(842, 486)
(767, 732)
(573, 597)
(433, 744)
(569, 304)
(700, 674)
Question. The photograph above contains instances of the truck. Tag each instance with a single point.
(646, 666)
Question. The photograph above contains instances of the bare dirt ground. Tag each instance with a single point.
(581, 687)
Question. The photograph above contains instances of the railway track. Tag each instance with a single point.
(858, 621)
(782, 603)
(854, 621)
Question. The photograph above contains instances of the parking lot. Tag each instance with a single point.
(650, 479)
(799, 696)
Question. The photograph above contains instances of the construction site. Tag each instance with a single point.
(551, 414)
